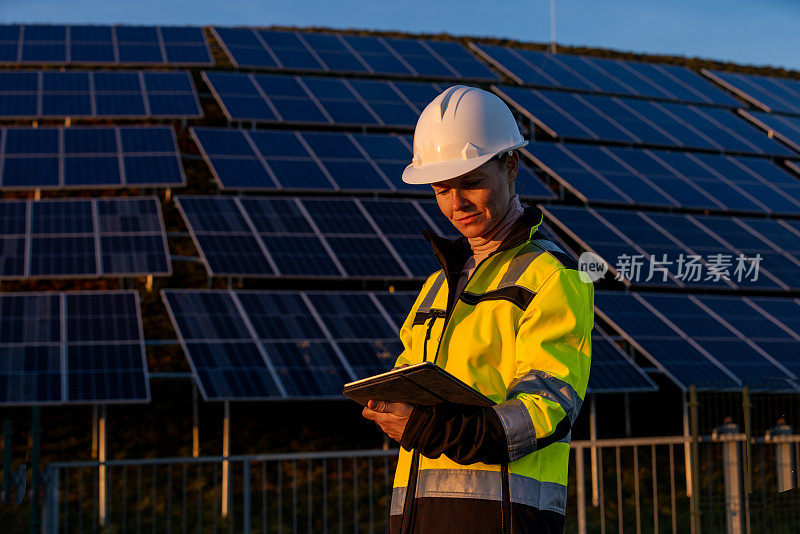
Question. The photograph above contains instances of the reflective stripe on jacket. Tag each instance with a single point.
(520, 333)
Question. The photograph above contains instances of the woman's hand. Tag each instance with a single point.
(390, 416)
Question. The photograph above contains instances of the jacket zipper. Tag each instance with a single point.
(434, 315)
(410, 504)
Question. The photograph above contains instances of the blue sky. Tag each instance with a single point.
(753, 32)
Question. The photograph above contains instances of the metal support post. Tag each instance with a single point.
(101, 470)
(581, 490)
(728, 434)
(94, 432)
(687, 453)
(748, 464)
(225, 453)
(195, 424)
(694, 500)
(784, 459)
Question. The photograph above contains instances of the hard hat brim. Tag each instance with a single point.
(446, 170)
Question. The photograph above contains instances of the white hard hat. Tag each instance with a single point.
(463, 128)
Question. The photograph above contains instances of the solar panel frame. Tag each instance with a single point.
(64, 343)
(760, 91)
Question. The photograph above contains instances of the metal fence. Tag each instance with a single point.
(621, 485)
(333, 492)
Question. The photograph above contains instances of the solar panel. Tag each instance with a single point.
(81, 238)
(295, 345)
(309, 100)
(72, 348)
(34, 43)
(632, 121)
(565, 71)
(673, 179)
(325, 52)
(80, 157)
(769, 93)
(32, 94)
(718, 328)
(650, 248)
(312, 237)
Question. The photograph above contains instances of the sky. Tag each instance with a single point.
(753, 32)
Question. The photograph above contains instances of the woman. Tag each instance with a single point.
(509, 315)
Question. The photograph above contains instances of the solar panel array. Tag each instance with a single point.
(90, 156)
(327, 52)
(256, 345)
(769, 93)
(320, 101)
(572, 116)
(651, 248)
(630, 176)
(29, 94)
(121, 45)
(713, 342)
(268, 160)
(82, 238)
(584, 73)
(76, 347)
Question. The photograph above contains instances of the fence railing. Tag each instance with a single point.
(617, 485)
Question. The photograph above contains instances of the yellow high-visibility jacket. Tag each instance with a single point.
(520, 333)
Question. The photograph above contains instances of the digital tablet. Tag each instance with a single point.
(422, 384)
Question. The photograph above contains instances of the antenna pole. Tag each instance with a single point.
(552, 26)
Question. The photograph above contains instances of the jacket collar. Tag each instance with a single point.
(452, 255)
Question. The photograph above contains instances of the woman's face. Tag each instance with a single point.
(475, 202)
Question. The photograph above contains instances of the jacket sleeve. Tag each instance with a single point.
(553, 351)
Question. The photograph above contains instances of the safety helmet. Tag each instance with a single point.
(460, 130)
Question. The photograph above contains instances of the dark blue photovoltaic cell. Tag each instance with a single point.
(625, 120)
(231, 371)
(397, 305)
(788, 128)
(612, 371)
(307, 369)
(276, 315)
(299, 255)
(368, 358)
(351, 316)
